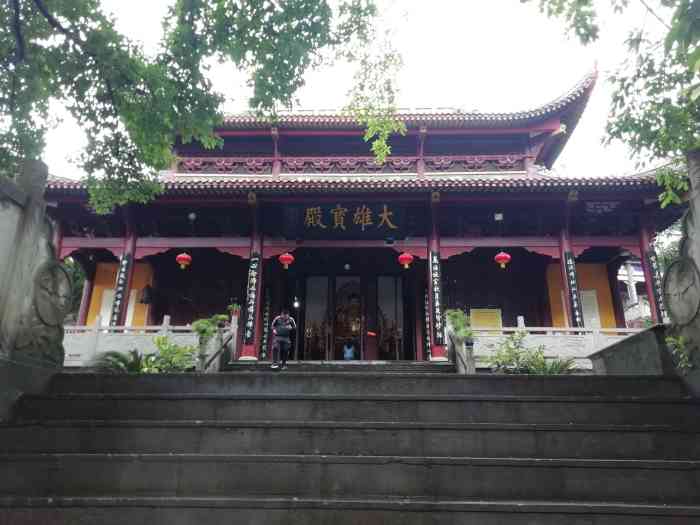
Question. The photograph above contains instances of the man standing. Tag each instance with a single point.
(282, 327)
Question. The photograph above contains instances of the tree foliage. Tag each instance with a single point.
(133, 106)
(655, 103)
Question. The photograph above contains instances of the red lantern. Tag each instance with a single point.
(184, 260)
(405, 259)
(502, 258)
(286, 259)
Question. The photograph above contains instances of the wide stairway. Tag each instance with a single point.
(341, 448)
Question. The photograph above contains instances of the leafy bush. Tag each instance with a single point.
(132, 362)
(170, 357)
(206, 328)
(681, 349)
(512, 357)
(459, 322)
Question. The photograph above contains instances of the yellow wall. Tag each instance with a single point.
(554, 286)
(143, 275)
(106, 277)
(590, 277)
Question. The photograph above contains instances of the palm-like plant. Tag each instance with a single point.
(132, 362)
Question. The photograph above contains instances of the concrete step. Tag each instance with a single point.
(347, 383)
(407, 408)
(118, 510)
(348, 366)
(370, 438)
(453, 478)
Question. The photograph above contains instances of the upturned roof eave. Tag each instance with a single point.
(573, 100)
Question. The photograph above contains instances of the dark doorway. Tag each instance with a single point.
(352, 303)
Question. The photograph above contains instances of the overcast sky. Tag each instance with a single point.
(490, 55)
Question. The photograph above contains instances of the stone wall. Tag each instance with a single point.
(34, 288)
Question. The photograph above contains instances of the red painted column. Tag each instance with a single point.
(437, 344)
(563, 247)
(252, 320)
(652, 281)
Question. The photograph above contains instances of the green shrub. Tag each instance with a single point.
(512, 357)
(206, 328)
(131, 362)
(170, 357)
(681, 349)
(459, 322)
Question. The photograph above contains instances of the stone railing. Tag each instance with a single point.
(578, 343)
(364, 164)
(82, 343)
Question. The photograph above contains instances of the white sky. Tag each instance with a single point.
(491, 55)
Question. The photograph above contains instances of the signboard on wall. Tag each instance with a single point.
(436, 295)
(574, 297)
(251, 298)
(120, 288)
(344, 220)
(657, 283)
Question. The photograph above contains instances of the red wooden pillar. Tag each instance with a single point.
(652, 279)
(252, 320)
(437, 328)
(572, 302)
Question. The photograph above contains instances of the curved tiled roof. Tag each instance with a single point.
(450, 118)
(475, 182)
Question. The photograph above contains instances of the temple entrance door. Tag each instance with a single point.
(348, 319)
(390, 318)
(317, 331)
(353, 304)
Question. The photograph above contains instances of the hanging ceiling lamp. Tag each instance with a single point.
(184, 260)
(502, 258)
(405, 260)
(286, 259)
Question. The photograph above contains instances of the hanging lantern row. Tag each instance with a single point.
(184, 259)
(502, 258)
(405, 260)
(286, 259)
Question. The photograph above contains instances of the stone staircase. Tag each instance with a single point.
(341, 448)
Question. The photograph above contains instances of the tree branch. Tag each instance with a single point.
(53, 22)
(654, 14)
(17, 28)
